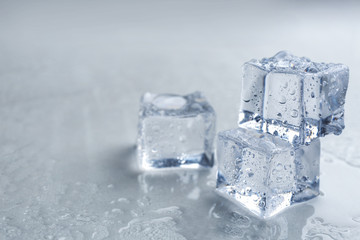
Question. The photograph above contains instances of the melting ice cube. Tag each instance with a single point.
(293, 98)
(265, 173)
(175, 131)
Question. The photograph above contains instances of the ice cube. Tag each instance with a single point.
(293, 98)
(175, 131)
(265, 173)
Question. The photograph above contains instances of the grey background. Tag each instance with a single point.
(72, 73)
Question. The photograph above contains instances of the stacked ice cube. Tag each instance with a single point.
(272, 160)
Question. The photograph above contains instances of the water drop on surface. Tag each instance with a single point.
(196, 106)
(294, 113)
(312, 94)
(262, 204)
(117, 210)
(282, 100)
(356, 219)
(249, 172)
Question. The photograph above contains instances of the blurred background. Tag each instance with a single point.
(71, 76)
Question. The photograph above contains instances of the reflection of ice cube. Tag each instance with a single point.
(265, 173)
(175, 131)
(294, 98)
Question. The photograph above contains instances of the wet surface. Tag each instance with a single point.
(69, 98)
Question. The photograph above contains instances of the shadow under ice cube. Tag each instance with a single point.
(293, 98)
(175, 131)
(264, 173)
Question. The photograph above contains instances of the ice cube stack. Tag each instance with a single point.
(272, 160)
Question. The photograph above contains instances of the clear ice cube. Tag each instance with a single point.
(265, 173)
(293, 98)
(175, 131)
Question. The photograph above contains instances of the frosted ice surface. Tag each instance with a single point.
(175, 131)
(294, 98)
(265, 173)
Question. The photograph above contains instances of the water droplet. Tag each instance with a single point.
(248, 190)
(304, 178)
(154, 150)
(249, 172)
(356, 219)
(279, 166)
(282, 100)
(117, 210)
(312, 94)
(246, 100)
(294, 113)
(196, 106)
(123, 200)
(279, 115)
(292, 91)
(262, 204)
